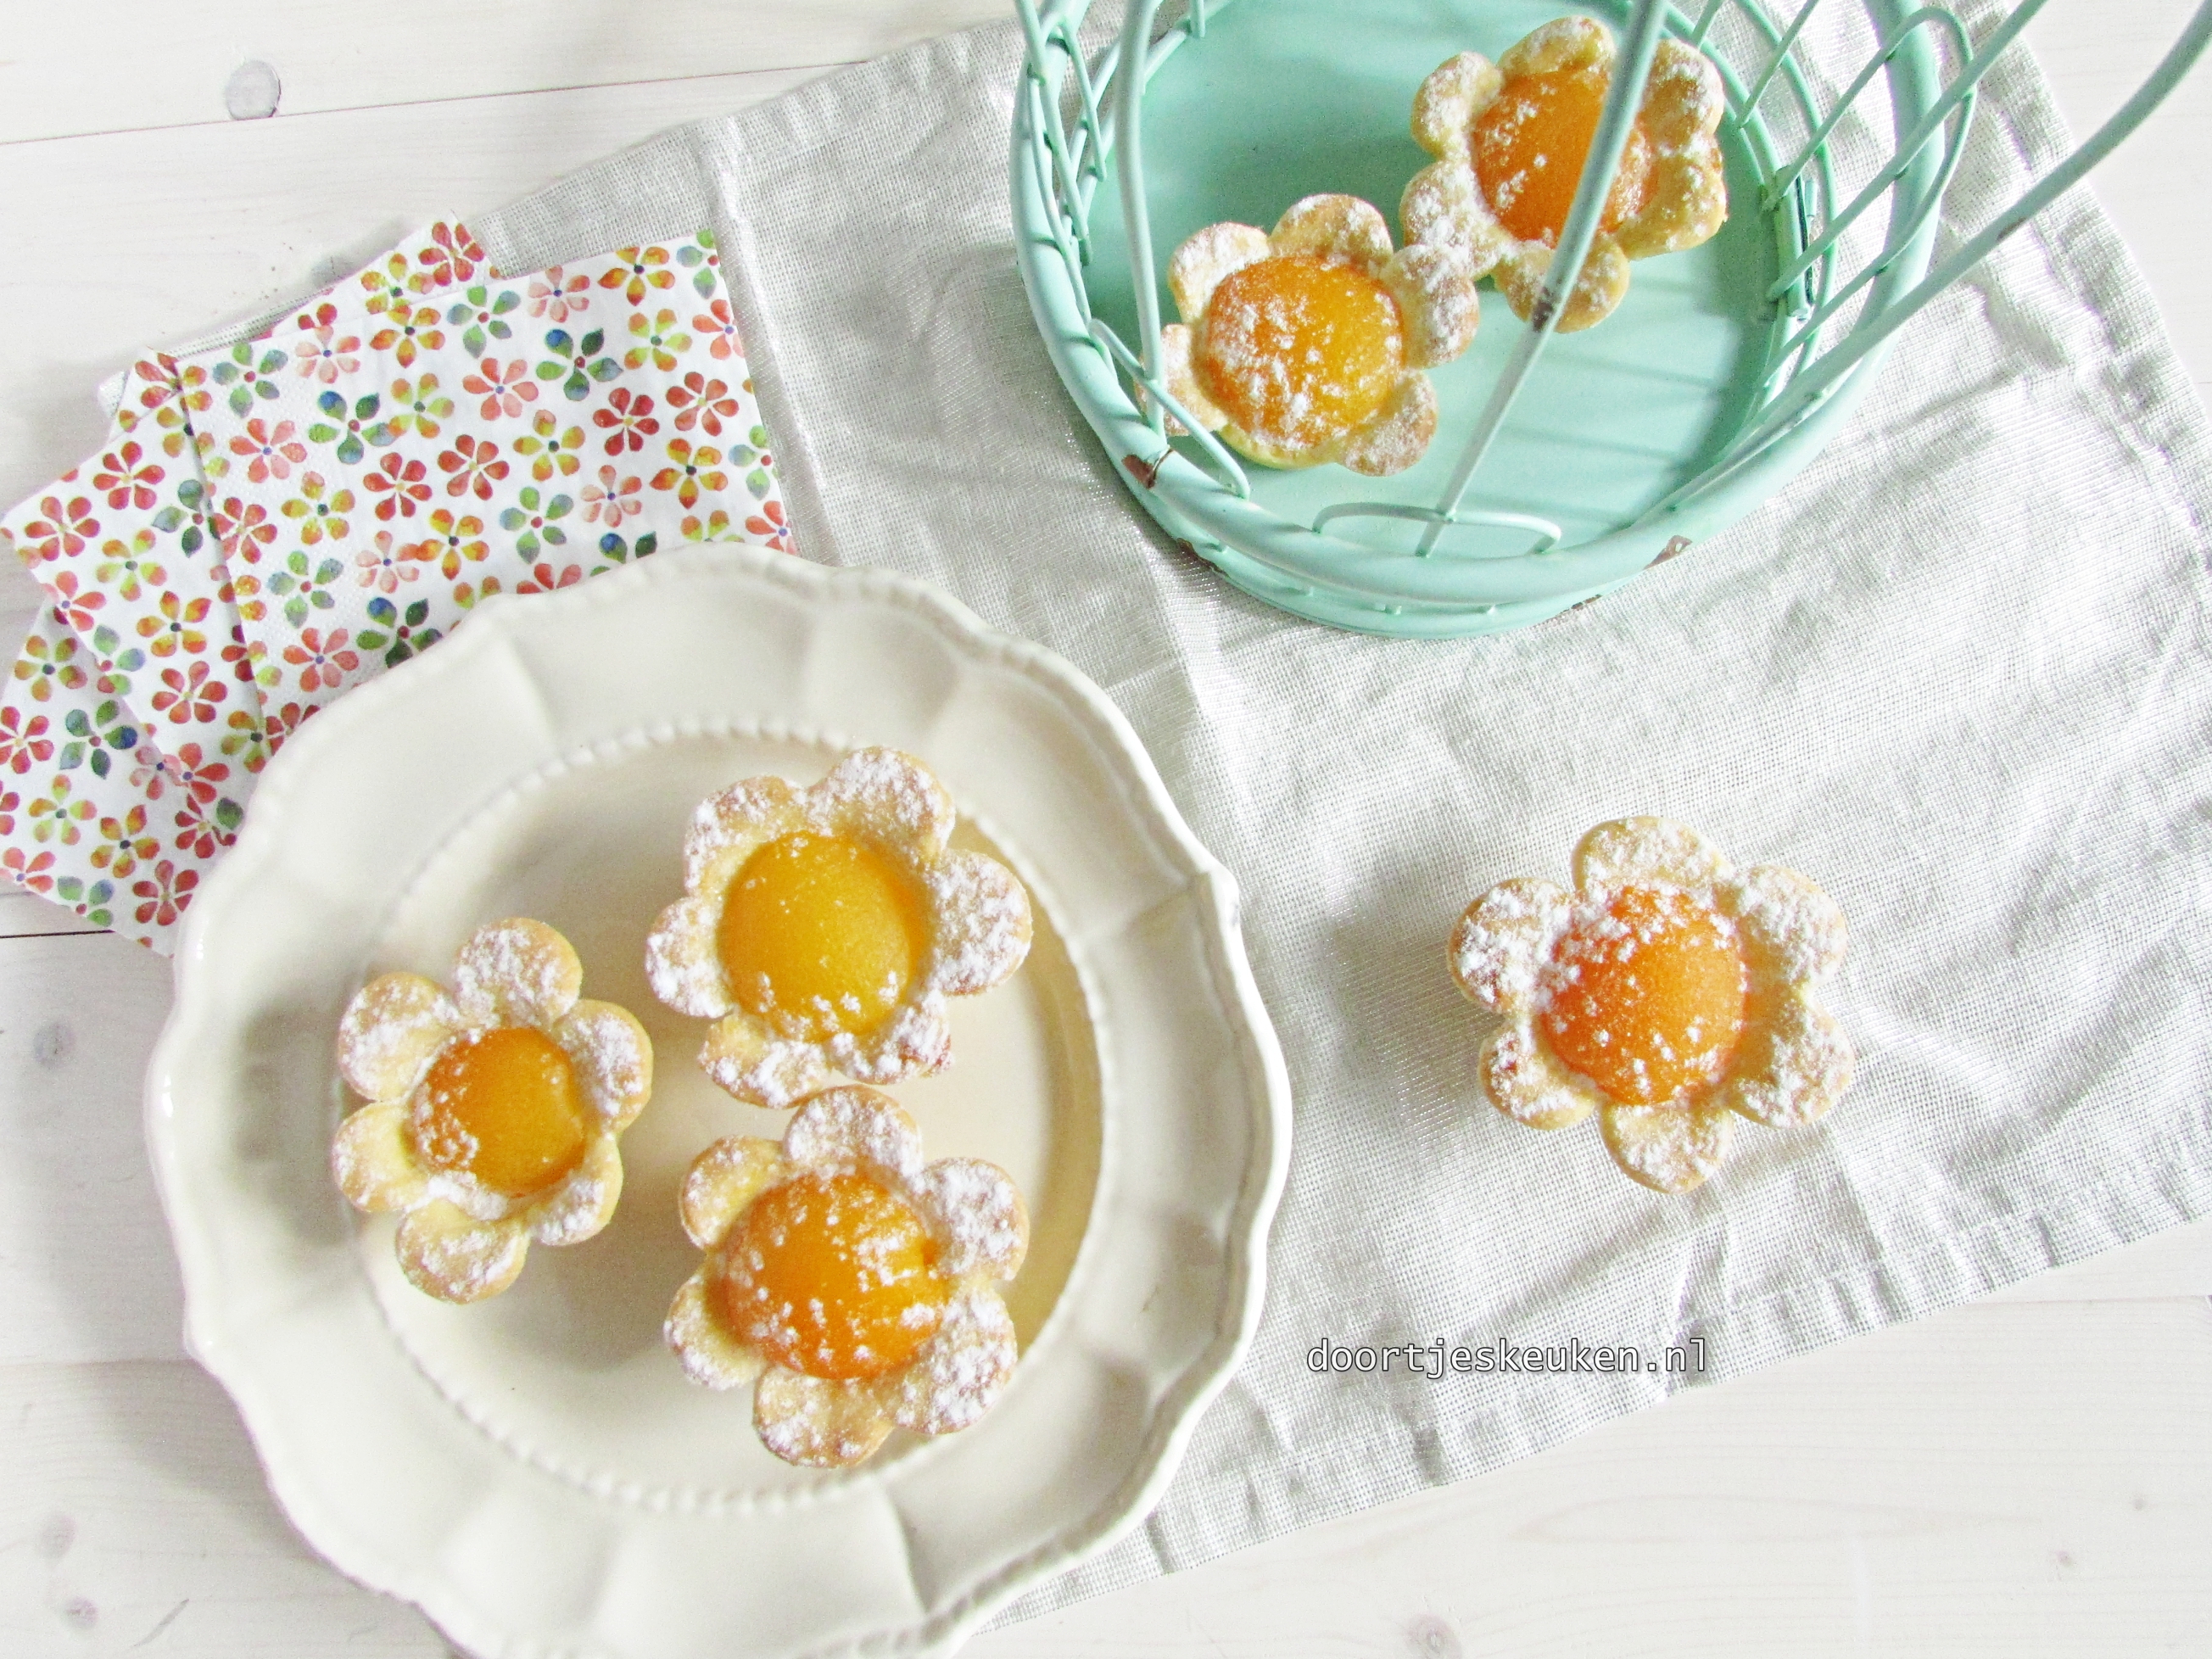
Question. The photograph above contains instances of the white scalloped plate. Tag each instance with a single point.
(533, 1472)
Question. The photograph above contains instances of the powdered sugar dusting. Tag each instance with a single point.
(960, 1375)
(843, 1127)
(516, 972)
(984, 926)
(887, 794)
(980, 1224)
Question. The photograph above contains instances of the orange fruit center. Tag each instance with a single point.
(1296, 352)
(833, 1275)
(503, 1106)
(1529, 146)
(821, 934)
(1647, 998)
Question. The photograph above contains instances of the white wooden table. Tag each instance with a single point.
(2031, 1474)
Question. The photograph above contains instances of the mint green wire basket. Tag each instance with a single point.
(1724, 371)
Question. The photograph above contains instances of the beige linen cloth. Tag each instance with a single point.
(1957, 672)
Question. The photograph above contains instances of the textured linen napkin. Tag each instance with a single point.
(1957, 672)
(278, 518)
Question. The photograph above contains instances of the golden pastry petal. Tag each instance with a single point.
(1267, 454)
(683, 957)
(983, 923)
(1182, 382)
(818, 1422)
(374, 1161)
(721, 1180)
(746, 1059)
(1792, 931)
(883, 796)
(961, 1371)
(915, 1041)
(1499, 944)
(1525, 1081)
(1456, 91)
(1684, 99)
(710, 1355)
(1670, 1149)
(612, 1057)
(516, 972)
(1792, 1063)
(1627, 851)
(1603, 284)
(1686, 201)
(582, 1204)
(392, 1031)
(1443, 207)
(1340, 229)
(1562, 44)
(1436, 300)
(1206, 257)
(446, 1254)
(1398, 435)
(728, 828)
(849, 1125)
(982, 1225)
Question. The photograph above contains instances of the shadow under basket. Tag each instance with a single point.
(1720, 375)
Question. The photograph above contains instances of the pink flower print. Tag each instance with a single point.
(24, 743)
(720, 330)
(189, 694)
(472, 464)
(203, 829)
(48, 663)
(398, 486)
(658, 342)
(627, 421)
(323, 660)
(10, 801)
(453, 257)
(237, 654)
(63, 531)
(166, 894)
(123, 569)
(388, 563)
(557, 297)
(543, 579)
(34, 874)
(407, 330)
(504, 391)
(80, 611)
(159, 374)
(551, 449)
(418, 405)
(125, 844)
(715, 527)
(689, 470)
(637, 269)
(386, 285)
(319, 510)
(192, 770)
(273, 449)
(176, 629)
(768, 524)
(706, 403)
(127, 482)
(466, 597)
(324, 354)
(454, 541)
(283, 722)
(245, 529)
(607, 501)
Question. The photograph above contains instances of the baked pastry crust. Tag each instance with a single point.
(459, 1240)
(1791, 1062)
(1432, 286)
(979, 926)
(1685, 199)
(980, 1230)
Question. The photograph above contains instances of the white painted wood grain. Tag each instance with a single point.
(150, 64)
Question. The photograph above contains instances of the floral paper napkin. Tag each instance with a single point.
(275, 521)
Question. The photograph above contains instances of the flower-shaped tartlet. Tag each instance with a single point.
(492, 1111)
(1509, 140)
(1667, 992)
(1306, 343)
(857, 1285)
(822, 929)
